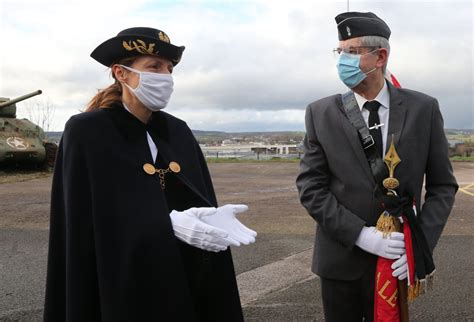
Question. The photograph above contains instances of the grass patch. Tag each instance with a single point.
(462, 159)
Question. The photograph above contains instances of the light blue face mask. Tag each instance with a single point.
(348, 68)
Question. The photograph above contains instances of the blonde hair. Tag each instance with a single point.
(112, 94)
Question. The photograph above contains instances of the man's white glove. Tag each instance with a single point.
(224, 218)
(371, 240)
(189, 228)
(400, 267)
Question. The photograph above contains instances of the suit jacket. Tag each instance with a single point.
(338, 190)
(113, 255)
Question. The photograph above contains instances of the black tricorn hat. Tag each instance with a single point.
(137, 41)
(359, 24)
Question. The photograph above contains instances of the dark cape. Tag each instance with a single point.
(113, 255)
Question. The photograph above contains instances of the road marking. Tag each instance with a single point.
(468, 186)
(466, 192)
(465, 189)
(276, 276)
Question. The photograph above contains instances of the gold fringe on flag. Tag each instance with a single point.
(430, 281)
(420, 287)
(387, 224)
(413, 291)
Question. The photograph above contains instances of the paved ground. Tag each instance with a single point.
(273, 274)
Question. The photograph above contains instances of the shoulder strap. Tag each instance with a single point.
(367, 141)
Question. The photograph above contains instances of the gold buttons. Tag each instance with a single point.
(149, 169)
(174, 166)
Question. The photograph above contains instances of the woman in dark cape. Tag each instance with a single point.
(135, 230)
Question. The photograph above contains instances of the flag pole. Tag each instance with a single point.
(402, 284)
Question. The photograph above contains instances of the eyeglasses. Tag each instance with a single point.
(354, 50)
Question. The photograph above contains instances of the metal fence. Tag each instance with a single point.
(250, 155)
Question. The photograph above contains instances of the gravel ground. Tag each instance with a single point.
(285, 230)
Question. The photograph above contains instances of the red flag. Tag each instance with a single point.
(386, 300)
(406, 229)
(391, 78)
(391, 295)
(410, 257)
(386, 307)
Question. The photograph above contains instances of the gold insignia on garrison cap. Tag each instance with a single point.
(140, 46)
(163, 37)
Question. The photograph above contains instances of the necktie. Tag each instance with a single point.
(373, 107)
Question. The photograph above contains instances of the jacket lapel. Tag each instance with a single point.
(396, 118)
(160, 127)
(134, 147)
(353, 137)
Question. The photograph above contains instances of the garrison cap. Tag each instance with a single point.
(359, 24)
(137, 41)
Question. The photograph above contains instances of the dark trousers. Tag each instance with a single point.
(346, 301)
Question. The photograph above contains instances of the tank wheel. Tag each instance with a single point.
(51, 150)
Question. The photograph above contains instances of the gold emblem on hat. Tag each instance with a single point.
(163, 37)
(391, 159)
(140, 46)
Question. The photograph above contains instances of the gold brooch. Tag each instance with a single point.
(151, 170)
(139, 46)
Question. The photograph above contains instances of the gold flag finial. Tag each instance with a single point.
(387, 223)
(391, 160)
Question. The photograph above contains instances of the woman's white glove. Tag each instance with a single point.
(400, 267)
(224, 218)
(189, 228)
(371, 240)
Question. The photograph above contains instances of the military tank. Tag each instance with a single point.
(21, 141)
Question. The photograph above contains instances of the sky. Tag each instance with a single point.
(248, 65)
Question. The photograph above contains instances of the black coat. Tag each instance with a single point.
(113, 255)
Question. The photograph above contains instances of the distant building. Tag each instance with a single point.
(460, 148)
(229, 142)
(453, 143)
(261, 150)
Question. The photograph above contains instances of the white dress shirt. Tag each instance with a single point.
(151, 144)
(383, 97)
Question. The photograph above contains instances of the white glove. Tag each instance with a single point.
(225, 219)
(400, 267)
(189, 228)
(371, 240)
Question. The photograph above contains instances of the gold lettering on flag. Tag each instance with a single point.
(387, 291)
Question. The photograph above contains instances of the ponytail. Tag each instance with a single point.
(111, 95)
(106, 97)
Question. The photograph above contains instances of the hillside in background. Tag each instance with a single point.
(217, 137)
(54, 136)
(284, 137)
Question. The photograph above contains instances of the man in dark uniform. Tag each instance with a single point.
(336, 182)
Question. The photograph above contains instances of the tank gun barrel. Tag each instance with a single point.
(21, 98)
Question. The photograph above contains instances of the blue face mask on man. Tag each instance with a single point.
(348, 68)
